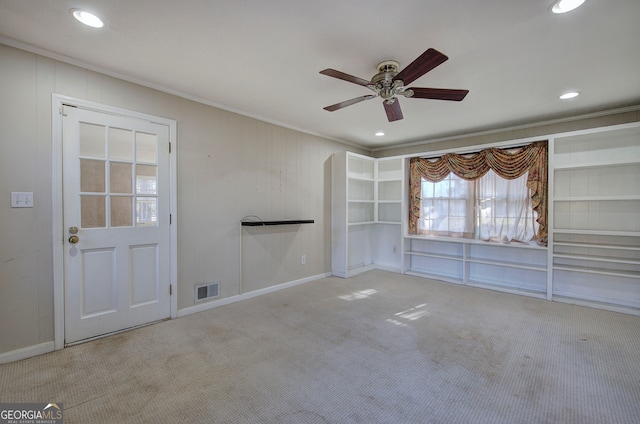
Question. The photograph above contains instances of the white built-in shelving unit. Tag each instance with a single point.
(596, 216)
(387, 232)
(366, 213)
(516, 267)
(593, 252)
(352, 213)
(389, 177)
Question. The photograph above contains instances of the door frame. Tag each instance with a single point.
(57, 103)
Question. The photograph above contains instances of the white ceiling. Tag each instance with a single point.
(262, 58)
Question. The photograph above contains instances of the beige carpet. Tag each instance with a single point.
(376, 348)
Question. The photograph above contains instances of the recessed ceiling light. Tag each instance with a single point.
(564, 6)
(379, 134)
(569, 95)
(87, 18)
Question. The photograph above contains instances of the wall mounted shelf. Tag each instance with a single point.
(283, 222)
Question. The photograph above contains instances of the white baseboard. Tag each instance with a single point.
(360, 270)
(232, 299)
(27, 352)
(389, 268)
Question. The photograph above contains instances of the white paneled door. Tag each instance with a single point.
(116, 223)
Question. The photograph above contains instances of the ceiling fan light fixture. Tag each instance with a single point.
(564, 6)
(569, 95)
(87, 18)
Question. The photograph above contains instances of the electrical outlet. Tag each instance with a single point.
(21, 199)
(303, 259)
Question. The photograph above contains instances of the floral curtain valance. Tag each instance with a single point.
(507, 163)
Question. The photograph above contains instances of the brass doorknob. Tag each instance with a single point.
(74, 239)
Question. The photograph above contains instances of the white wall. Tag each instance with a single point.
(228, 165)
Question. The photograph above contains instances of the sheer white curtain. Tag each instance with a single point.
(504, 209)
(490, 208)
(447, 207)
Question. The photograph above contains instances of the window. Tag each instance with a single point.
(489, 208)
(504, 209)
(110, 159)
(493, 195)
(447, 207)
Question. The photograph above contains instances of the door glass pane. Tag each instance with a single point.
(93, 214)
(120, 177)
(121, 211)
(146, 211)
(146, 181)
(91, 140)
(146, 148)
(120, 144)
(92, 178)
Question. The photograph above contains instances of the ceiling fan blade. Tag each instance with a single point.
(423, 64)
(394, 113)
(346, 103)
(438, 93)
(345, 77)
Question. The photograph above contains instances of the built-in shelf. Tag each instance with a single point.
(597, 258)
(366, 198)
(597, 232)
(516, 267)
(283, 222)
(600, 246)
(434, 255)
(596, 204)
(597, 198)
(600, 164)
(360, 223)
(626, 274)
(507, 264)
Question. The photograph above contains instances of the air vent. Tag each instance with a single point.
(207, 291)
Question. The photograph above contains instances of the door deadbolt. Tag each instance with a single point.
(73, 230)
(74, 239)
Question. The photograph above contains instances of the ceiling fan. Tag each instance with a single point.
(389, 83)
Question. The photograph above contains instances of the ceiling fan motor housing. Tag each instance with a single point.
(383, 84)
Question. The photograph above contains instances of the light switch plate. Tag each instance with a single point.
(21, 199)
